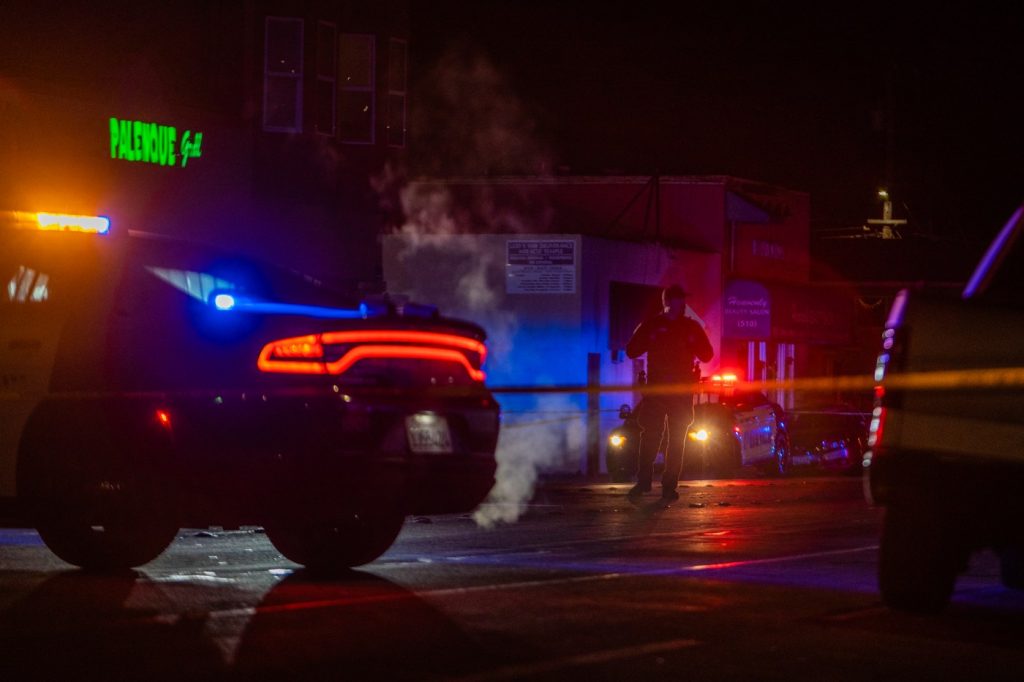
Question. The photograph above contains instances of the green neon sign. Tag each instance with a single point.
(154, 143)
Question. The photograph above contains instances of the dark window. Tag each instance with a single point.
(166, 334)
(282, 75)
(326, 76)
(356, 69)
(395, 123)
(628, 306)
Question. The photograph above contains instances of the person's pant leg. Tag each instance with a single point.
(680, 417)
(651, 420)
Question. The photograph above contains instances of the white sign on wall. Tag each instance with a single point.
(540, 266)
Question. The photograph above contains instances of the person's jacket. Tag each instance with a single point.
(671, 347)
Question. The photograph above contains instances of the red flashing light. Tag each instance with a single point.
(163, 417)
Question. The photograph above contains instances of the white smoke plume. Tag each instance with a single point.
(540, 432)
(474, 125)
(526, 448)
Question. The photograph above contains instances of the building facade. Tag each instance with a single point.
(560, 270)
(256, 125)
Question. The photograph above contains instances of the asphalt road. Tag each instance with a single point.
(757, 580)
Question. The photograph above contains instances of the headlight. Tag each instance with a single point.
(616, 440)
(699, 435)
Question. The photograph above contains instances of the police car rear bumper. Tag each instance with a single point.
(253, 457)
(266, 455)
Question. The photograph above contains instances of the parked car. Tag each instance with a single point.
(732, 432)
(946, 443)
(150, 384)
(829, 438)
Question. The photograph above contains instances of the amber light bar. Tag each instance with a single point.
(73, 223)
(305, 354)
(58, 222)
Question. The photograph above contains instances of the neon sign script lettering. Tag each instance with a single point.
(146, 142)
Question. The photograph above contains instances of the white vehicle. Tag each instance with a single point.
(735, 429)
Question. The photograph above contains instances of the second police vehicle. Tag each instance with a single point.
(732, 431)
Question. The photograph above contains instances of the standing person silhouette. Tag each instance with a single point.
(672, 342)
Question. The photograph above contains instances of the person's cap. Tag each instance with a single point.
(675, 291)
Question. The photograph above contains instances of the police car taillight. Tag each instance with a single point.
(298, 355)
(336, 352)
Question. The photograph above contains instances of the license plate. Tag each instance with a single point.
(428, 433)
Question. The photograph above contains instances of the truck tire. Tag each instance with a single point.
(331, 547)
(919, 559)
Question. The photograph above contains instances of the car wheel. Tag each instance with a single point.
(724, 461)
(621, 467)
(96, 517)
(112, 546)
(782, 464)
(81, 483)
(335, 546)
(621, 476)
(918, 560)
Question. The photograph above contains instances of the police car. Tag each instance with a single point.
(732, 431)
(148, 384)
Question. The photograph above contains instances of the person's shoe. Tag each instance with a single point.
(638, 491)
(668, 496)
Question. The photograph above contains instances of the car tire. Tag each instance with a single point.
(331, 547)
(726, 461)
(621, 476)
(782, 462)
(918, 559)
(109, 547)
(622, 466)
(91, 506)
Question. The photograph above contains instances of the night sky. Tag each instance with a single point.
(835, 101)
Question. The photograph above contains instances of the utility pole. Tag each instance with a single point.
(886, 228)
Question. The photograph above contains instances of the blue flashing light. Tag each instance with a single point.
(224, 301)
